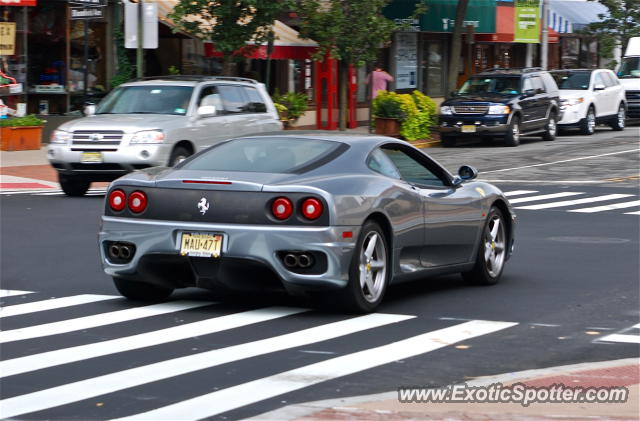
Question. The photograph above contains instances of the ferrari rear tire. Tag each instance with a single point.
(369, 271)
(73, 185)
(492, 251)
(140, 291)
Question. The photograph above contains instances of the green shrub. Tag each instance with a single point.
(388, 105)
(26, 121)
(295, 104)
(416, 112)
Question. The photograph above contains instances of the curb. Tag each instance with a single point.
(293, 412)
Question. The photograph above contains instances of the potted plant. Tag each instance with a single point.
(291, 106)
(388, 113)
(21, 133)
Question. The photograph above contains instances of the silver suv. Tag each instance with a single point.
(158, 121)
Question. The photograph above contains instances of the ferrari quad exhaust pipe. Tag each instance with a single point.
(298, 260)
(120, 251)
(305, 260)
(114, 251)
(291, 260)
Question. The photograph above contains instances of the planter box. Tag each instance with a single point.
(20, 138)
(387, 126)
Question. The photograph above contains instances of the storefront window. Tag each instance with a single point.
(433, 68)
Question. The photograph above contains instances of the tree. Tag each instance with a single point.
(456, 46)
(615, 27)
(229, 24)
(350, 31)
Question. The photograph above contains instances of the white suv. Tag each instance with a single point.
(157, 122)
(589, 97)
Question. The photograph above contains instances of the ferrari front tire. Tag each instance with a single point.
(140, 291)
(492, 251)
(369, 271)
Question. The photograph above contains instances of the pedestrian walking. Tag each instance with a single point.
(378, 80)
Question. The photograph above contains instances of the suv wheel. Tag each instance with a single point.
(588, 125)
(178, 155)
(552, 128)
(73, 185)
(512, 137)
(618, 122)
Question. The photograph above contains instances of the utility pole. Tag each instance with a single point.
(140, 52)
(544, 51)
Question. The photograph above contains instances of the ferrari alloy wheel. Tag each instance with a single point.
(369, 271)
(140, 291)
(492, 251)
(618, 122)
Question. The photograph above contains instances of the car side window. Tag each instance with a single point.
(411, 170)
(536, 83)
(209, 95)
(256, 102)
(379, 162)
(527, 84)
(233, 98)
(609, 79)
(599, 80)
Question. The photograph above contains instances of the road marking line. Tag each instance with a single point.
(543, 181)
(562, 161)
(109, 383)
(575, 202)
(12, 292)
(96, 320)
(83, 352)
(519, 192)
(608, 207)
(258, 390)
(543, 197)
(616, 337)
(52, 304)
(636, 326)
(632, 213)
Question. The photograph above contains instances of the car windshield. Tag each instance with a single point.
(269, 155)
(572, 80)
(491, 85)
(147, 99)
(630, 67)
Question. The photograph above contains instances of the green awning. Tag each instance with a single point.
(441, 14)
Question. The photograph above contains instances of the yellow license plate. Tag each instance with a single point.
(200, 245)
(468, 128)
(88, 157)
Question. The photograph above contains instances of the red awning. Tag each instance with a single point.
(18, 2)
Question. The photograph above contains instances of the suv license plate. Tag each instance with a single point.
(91, 157)
(197, 244)
(468, 128)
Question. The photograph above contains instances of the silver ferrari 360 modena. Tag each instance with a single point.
(338, 215)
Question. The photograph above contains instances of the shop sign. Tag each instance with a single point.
(86, 13)
(7, 38)
(90, 3)
(406, 60)
(17, 2)
(527, 21)
(441, 14)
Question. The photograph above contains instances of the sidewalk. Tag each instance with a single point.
(386, 406)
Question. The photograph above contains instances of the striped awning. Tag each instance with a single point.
(567, 16)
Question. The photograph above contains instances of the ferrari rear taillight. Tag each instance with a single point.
(312, 208)
(117, 200)
(282, 208)
(137, 201)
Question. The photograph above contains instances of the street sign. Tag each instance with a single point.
(527, 21)
(86, 13)
(150, 25)
(89, 3)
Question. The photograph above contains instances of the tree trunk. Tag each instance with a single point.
(343, 83)
(456, 47)
(228, 66)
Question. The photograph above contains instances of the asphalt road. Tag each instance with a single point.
(574, 279)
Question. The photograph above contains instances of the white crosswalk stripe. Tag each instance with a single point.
(54, 303)
(247, 393)
(12, 292)
(96, 320)
(565, 203)
(632, 204)
(543, 197)
(519, 192)
(630, 335)
(632, 213)
(51, 192)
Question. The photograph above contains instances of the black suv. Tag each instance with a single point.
(502, 102)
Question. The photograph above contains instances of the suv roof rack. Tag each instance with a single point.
(197, 78)
(514, 69)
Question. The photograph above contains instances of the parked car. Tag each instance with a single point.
(506, 103)
(157, 121)
(629, 74)
(589, 97)
(335, 214)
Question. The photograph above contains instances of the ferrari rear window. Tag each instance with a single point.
(269, 155)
